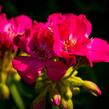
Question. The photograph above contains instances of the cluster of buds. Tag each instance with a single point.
(61, 92)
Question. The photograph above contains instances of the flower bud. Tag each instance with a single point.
(17, 77)
(3, 77)
(69, 70)
(64, 103)
(75, 81)
(4, 90)
(68, 94)
(92, 87)
(56, 99)
(75, 90)
(70, 104)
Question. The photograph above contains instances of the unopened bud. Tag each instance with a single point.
(75, 81)
(69, 70)
(3, 77)
(64, 103)
(17, 77)
(70, 104)
(67, 104)
(5, 91)
(75, 90)
(68, 93)
(92, 87)
(56, 100)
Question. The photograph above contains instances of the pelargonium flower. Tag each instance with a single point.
(61, 36)
(70, 33)
(39, 46)
(71, 37)
(9, 28)
(22, 25)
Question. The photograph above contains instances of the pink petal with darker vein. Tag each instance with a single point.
(28, 68)
(55, 70)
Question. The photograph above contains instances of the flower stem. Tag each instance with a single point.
(55, 107)
(75, 68)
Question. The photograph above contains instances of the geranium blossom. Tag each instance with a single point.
(62, 36)
(40, 48)
(70, 33)
(9, 28)
(71, 37)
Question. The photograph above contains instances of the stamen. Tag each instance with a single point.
(71, 42)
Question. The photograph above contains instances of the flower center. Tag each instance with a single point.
(69, 43)
(40, 53)
(9, 30)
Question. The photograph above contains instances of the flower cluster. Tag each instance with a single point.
(53, 51)
(62, 37)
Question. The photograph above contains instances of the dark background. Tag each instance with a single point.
(97, 12)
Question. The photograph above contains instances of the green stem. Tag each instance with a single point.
(75, 68)
(39, 97)
(16, 96)
(55, 107)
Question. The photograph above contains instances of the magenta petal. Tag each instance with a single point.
(55, 70)
(22, 41)
(85, 25)
(3, 21)
(28, 68)
(98, 51)
(23, 22)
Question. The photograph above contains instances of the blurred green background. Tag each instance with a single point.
(97, 12)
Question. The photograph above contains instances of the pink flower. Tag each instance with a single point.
(41, 43)
(10, 28)
(65, 36)
(21, 23)
(71, 34)
(71, 38)
(40, 48)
